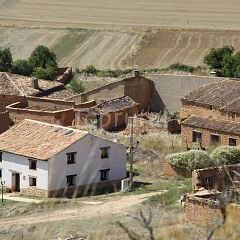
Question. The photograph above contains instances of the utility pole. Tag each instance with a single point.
(2, 183)
(131, 154)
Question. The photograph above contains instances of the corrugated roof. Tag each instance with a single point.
(38, 140)
(212, 124)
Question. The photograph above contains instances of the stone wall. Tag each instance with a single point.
(33, 191)
(65, 74)
(4, 122)
(201, 211)
(84, 190)
(187, 137)
(222, 178)
(171, 171)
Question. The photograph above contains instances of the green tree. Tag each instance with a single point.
(48, 73)
(22, 67)
(215, 59)
(5, 59)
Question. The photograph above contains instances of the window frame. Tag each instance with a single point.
(195, 139)
(34, 179)
(73, 176)
(107, 155)
(105, 174)
(30, 166)
(69, 158)
(213, 142)
(232, 144)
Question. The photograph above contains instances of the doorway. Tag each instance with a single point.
(16, 182)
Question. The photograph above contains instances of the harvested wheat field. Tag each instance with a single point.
(79, 13)
(120, 34)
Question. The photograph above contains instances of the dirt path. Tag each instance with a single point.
(90, 210)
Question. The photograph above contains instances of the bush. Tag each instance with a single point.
(5, 59)
(76, 86)
(181, 67)
(22, 67)
(226, 155)
(90, 70)
(48, 73)
(191, 160)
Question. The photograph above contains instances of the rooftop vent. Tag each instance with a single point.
(136, 73)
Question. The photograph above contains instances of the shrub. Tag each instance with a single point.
(76, 86)
(191, 160)
(226, 155)
(5, 59)
(181, 67)
(22, 67)
(90, 70)
(48, 73)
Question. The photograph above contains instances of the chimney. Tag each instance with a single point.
(34, 83)
(136, 73)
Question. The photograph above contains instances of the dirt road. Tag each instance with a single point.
(114, 206)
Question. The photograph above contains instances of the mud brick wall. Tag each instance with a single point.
(222, 177)
(202, 211)
(4, 122)
(85, 105)
(6, 100)
(138, 88)
(83, 190)
(192, 109)
(65, 74)
(171, 171)
(186, 136)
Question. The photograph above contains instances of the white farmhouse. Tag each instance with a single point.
(51, 160)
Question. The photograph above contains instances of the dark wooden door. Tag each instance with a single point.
(17, 182)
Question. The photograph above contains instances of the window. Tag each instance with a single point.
(215, 139)
(1, 156)
(32, 164)
(32, 181)
(196, 136)
(0, 173)
(104, 174)
(71, 180)
(208, 182)
(71, 158)
(105, 152)
(232, 142)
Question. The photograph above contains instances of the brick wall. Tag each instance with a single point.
(187, 139)
(202, 211)
(4, 122)
(222, 177)
(171, 171)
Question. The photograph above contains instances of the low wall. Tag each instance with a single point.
(65, 74)
(4, 122)
(6, 100)
(84, 190)
(202, 211)
(33, 191)
(171, 171)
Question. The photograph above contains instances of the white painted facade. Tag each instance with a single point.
(51, 175)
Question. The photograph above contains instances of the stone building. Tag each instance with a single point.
(210, 115)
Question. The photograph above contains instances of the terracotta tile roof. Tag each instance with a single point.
(219, 94)
(212, 124)
(38, 140)
(62, 94)
(113, 105)
(13, 84)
